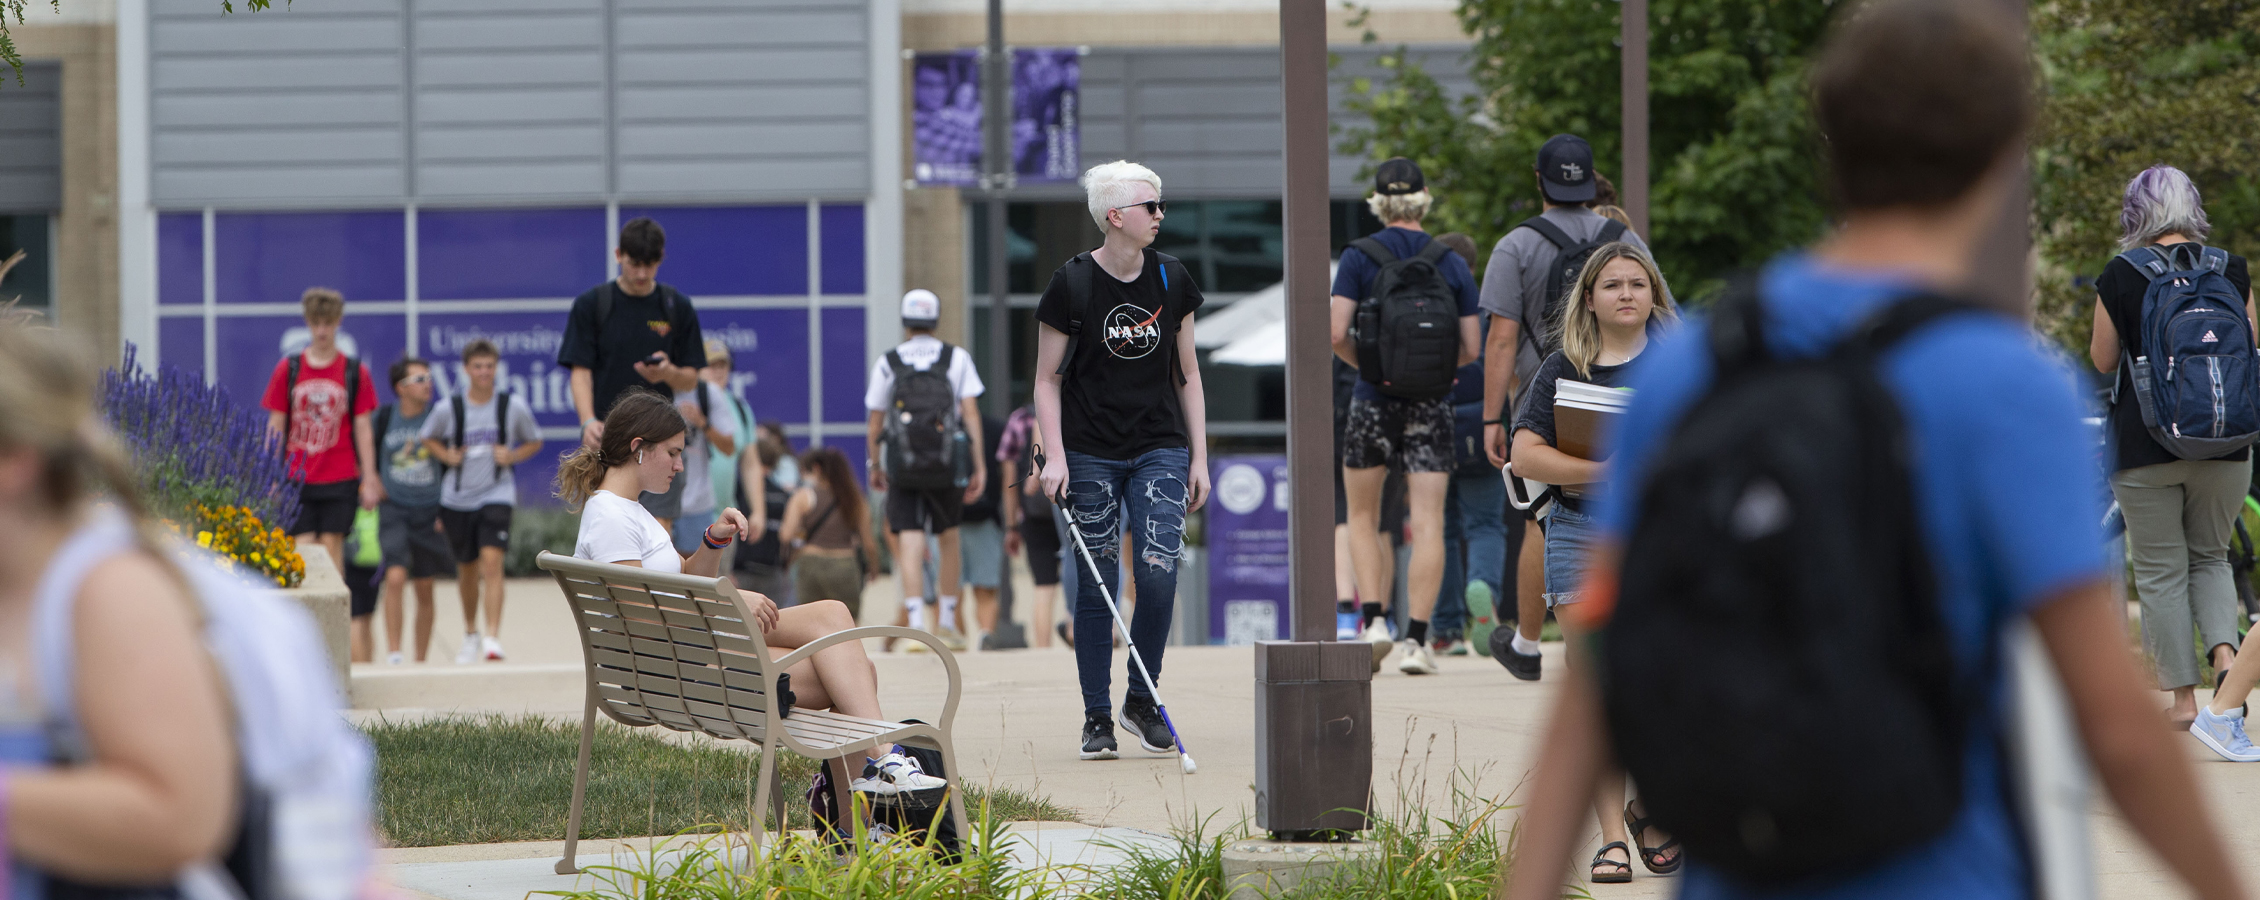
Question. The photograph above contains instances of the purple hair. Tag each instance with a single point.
(2161, 201)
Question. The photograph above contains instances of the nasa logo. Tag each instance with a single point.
(1131, 331)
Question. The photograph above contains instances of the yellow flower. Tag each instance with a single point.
(204, 539)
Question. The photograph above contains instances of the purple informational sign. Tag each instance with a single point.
(945, 117)
(1046, 102)
(1247, 542)
(946, 109)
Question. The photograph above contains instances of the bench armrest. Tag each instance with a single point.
(949, 660)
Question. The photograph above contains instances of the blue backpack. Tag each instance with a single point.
(2193, 368)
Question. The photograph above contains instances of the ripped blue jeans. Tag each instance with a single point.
(1146, 494)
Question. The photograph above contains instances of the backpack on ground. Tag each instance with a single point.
(1407, 328)
(303, 829)
(2192, 366)
(1777, 675)
(455, 438)
(1568, 263)
(352, 399)
(923, 428)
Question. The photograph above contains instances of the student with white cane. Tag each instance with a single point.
(1118, 392)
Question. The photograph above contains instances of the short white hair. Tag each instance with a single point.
(1109, 185)
(1388, 208)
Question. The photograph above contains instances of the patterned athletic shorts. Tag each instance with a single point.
(1414, 435)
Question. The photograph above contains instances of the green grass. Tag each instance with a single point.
(1453, 856)
(493, 779)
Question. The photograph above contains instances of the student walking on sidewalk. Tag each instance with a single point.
(1404, 314)
(1615, 307)
(2179, 511)
(413, 550)
(925, 450)
(1124, 428)
(1846, 485)
(479, 436)
(319, 402)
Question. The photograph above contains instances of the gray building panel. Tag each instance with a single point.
(377, 103)
(31, 140)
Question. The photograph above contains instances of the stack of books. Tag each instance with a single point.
(1582, 413)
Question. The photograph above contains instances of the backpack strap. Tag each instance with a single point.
(1902, 318)
(106, 533)
(1079, 294)
(2213, 259)
(384, 424)
(1611, 232)
(896, 366)
(1375, 250)
(1551, 232)
(1432, 253)
(2151, 262)
(290, 406)
(1738, 328)
(501, 429)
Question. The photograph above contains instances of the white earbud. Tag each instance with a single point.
(639, 457)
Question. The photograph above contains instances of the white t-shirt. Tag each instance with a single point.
(476, 483)
(919, 353)
(698, 480)
(614, 529)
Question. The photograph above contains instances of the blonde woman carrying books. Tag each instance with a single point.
(1618, 303)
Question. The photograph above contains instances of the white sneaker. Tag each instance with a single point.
(469, 652)
(1416, 660)
(893, 774)
(953, 639)
(1377, 634)
(2224, 735)
(493, 649)
(394, 658)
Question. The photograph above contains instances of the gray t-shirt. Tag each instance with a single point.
(1515, 281)
(476, 483)
(698, 481)
(411, 475)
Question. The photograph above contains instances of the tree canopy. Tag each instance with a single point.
(1735, 178)
(2134, 83)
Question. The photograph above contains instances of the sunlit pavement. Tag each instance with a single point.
(1020, 715)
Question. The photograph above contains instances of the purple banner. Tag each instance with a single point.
(946, 115)
(1247, 542)
(1046, 105)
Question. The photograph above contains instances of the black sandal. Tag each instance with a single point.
(1649, 855)
(1623, 875)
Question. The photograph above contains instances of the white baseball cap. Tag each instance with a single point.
(921, 309)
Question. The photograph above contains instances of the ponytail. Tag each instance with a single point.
(638, 413)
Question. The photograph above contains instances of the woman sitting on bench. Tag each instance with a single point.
(642, 451)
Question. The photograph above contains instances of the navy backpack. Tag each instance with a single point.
(2193, 367)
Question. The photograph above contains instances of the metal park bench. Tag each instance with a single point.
(683, 651)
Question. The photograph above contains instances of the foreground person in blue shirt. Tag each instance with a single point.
(1924, 105)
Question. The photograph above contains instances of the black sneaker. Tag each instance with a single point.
(1098, 737)
(1520, 665)
(1144, 720)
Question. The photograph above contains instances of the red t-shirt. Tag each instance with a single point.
(319, 426)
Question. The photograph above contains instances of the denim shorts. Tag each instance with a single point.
(1569, 540)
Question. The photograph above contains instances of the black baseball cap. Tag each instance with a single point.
(1398, 175)
(1565, 169)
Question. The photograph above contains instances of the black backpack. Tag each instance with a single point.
(1407, 328)
(1777, 675)
(501, 427)
(923, 426)
(1559, 279)
(352, 400)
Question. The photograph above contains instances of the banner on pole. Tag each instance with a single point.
(946, 109)
(1248, 551)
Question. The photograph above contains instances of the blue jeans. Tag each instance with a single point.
(1474, 513)
(1151, 488)
(1569, 539)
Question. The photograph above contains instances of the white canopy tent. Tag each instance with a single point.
(1251, 332)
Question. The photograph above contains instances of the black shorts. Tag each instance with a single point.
(410, 539)
(467, 532)
(327, 508)
(1041, 537)
(361, 588)
(932, 511)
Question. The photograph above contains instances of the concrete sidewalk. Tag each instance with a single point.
(1020, 715)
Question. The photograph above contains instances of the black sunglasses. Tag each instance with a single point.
(1153, 207)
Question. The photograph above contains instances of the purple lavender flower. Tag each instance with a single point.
(193, 445)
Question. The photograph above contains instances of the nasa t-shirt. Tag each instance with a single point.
(1119, 398)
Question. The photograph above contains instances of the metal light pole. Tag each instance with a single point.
(996, 159)
(1314, 696)
(1632, 182)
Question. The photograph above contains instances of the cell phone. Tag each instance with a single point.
(655, 358)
